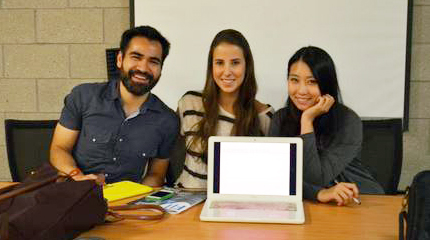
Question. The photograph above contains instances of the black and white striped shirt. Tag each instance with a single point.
(190, 108)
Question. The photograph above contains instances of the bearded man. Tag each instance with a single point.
(115, 130)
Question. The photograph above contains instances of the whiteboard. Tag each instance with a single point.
(367, 40)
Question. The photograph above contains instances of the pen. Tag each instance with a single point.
(356, 200)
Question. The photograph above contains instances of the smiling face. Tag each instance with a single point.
(303, 88)
(228, 67)
(140, 65)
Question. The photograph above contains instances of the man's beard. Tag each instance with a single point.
(136, 88)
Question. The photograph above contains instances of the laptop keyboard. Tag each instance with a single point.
(273, 206)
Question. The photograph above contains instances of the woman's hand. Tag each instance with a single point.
(323, 105)
(343, 193)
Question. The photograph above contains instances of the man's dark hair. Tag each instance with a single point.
(147, 32)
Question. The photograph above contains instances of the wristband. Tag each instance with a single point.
(74, 172)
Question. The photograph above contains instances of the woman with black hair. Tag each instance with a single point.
(331, 132)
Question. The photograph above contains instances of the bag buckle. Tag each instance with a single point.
(405, 201)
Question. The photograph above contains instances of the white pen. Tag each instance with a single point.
(356, 200)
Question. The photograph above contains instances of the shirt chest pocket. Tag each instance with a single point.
(97, 142)
(137, 158)
(143, 146)
(146, 152)
(97, 135)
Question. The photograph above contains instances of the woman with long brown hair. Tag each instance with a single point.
(226, 106)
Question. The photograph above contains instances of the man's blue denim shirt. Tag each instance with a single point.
(110, 143)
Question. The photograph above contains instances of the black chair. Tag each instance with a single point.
(112, 70)
(382, 151)
(176, 161)
(28, 145)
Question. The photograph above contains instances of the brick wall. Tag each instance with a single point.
(46, 48)
(416, 142)
(49, 46)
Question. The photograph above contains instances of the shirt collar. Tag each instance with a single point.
(112, 91)
(152, 103)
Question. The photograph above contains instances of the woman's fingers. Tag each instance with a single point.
(347, 189)
(328, 102)
(342, 193)
(324, 104)
(338, 199)
(350, 190)
(353, 187)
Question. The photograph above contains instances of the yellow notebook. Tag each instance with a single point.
(124, 189)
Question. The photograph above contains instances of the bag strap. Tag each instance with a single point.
(8, 187)
(42, 176)
(402, 218)
(403, 215)
(159, 212)
(4, 226)
(28, 188)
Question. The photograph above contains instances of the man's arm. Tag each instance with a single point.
(63, 141)
(156, 173)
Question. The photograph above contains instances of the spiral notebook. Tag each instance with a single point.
(124, 189)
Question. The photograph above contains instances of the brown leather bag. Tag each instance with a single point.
(48, 206)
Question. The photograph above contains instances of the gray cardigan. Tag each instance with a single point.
(334, 159)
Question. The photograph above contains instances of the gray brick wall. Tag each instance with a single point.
(36, 61)
(46, 48)
(35, 4)
(420, 59)
(49, 46)
(98, 3)
(17, 26)
(416, 142)
(1, 62)
(18, 95)
(85, 61)
(69, 25)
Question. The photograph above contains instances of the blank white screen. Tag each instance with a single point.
(254, 168)
(366, 39)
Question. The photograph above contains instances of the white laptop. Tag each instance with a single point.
(254, 179)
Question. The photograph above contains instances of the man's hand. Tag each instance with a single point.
(99, 178)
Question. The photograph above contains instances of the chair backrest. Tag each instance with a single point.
(382, 151)
(176, 161)
(112, 70)
(28, 145)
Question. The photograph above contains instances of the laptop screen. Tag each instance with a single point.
(255, 168)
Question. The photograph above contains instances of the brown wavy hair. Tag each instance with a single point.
(245, 111)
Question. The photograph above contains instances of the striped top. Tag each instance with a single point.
(191, 110)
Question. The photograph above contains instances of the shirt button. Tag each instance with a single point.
(120, 139)
(143, 154)
(114, 158)
(106, 175)
(93, 140)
